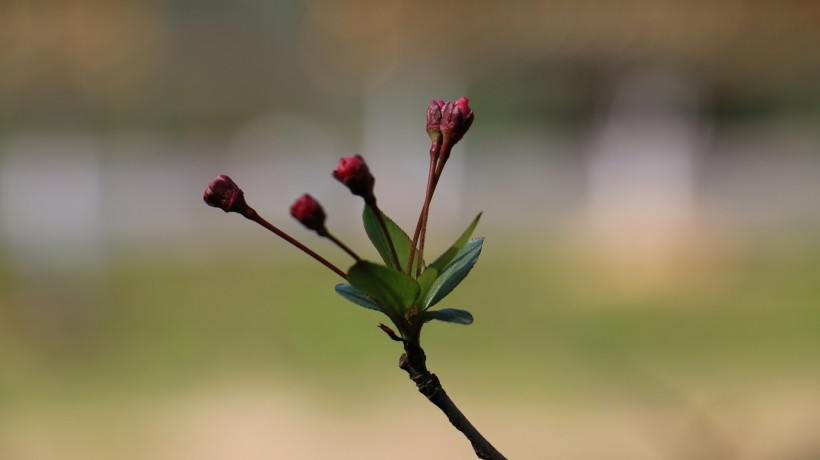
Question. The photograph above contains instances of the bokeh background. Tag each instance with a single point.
(650, 181)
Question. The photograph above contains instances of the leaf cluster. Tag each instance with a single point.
(404, 297)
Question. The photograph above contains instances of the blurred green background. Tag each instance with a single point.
(650, 181)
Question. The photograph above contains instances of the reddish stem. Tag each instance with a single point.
(341, 245)
(421, 226)
(251, 214)
(383, 225)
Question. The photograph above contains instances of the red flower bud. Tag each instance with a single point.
(354, 173)
(456, 119)
(223, 193)
(434, 122)
(309, 212)
(463, 104)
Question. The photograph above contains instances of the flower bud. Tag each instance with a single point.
(456, 119)
(309, 212)
(434, 122)
(354, 173)
(223, 193)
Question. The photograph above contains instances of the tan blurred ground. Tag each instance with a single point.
(263, 419)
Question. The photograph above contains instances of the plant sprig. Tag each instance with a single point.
(403, 287)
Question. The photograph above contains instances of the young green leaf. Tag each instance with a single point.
(400, 239)
(455, 271)
(426, 280)
(390, 288)
(356, 296)
(450, 315)
(450, 253)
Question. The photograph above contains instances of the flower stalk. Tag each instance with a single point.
(223, 193)
(259, 220)
(447, 122)
(380, 218)
(355, 175)
(310, 213)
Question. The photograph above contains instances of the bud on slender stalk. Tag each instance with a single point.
(456, 119)
(223, 193)
(354, 173)
(309, 212)
(434, 125)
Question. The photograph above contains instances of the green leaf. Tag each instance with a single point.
(449, 254)
(356, 296)
(426, 280)
(390, 288)
(451, 315)
(455, 271)
(400, 239)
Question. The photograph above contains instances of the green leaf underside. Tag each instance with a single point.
(450, 253)
(356, 296)
(390, 288)
(401, 241)
(455, 271)
(450, 315)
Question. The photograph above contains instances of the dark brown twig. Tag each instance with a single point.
(414, 362)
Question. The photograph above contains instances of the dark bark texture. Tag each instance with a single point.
(414, 362)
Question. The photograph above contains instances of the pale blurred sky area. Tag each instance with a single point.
(633, 152)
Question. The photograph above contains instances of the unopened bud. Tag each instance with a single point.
(223, 193)
(456, 119)
(434, 123)
(354, 173)
(309, 212)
